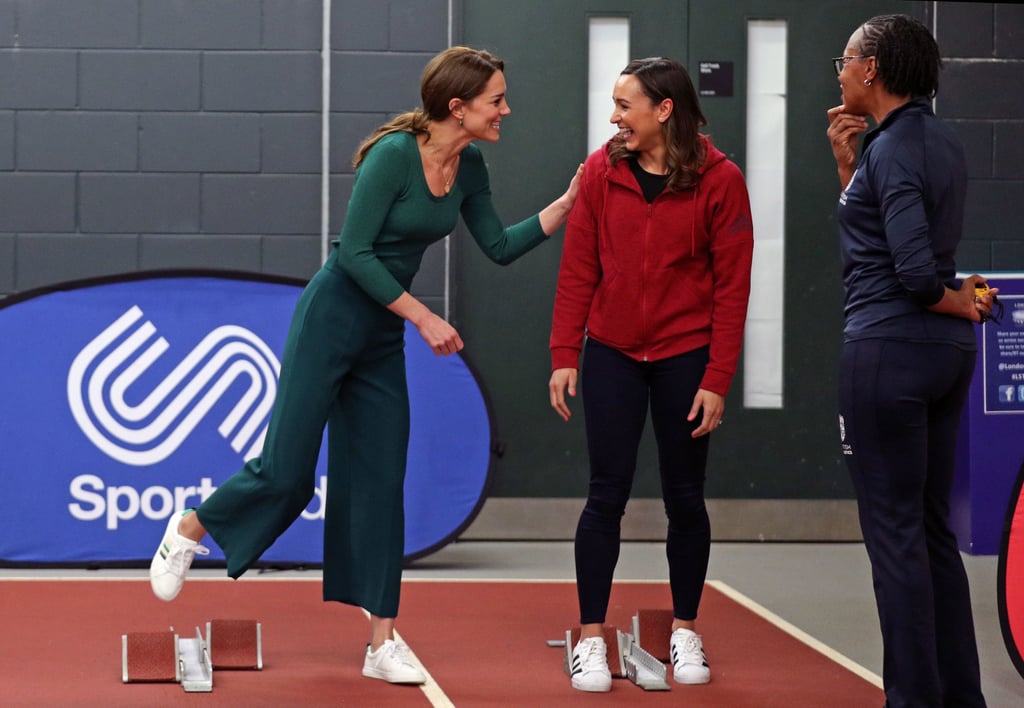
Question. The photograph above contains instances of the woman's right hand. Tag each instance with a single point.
(562, 380)
(843, 133)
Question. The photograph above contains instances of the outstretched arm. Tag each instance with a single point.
(505, 244)
(554, 214)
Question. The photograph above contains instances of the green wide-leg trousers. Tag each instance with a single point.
(343, 367)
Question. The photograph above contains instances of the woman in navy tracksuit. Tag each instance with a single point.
(908, 353)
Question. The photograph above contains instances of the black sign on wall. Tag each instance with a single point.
(715, 78)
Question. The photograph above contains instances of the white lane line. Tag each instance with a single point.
(430, 688)
(797, 633)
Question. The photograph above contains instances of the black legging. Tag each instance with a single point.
(617, 392)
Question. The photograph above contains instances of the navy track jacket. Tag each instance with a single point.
(900, 221)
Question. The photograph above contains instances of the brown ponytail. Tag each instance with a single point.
(415, 122)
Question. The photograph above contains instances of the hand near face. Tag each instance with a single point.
(844, 131)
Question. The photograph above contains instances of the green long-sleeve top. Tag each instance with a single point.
(392, 217)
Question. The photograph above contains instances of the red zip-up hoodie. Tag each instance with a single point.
(660, 279)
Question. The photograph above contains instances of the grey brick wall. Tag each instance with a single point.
(980, 95)
(6, 140)
(94, 24)
(147, 134)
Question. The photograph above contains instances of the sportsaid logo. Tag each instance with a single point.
(140, 419)
(150, 430)
(125, 399)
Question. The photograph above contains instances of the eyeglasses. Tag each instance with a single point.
(840, 62)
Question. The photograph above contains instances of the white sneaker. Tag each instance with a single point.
(689, 665)
(172, 560)
(589, 670)
(391, 663)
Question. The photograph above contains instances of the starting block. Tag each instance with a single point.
(165, 657)
(195, 665)
(626, 658)
(149, 657)
(235, 644)
(642, 668)
(652, 629)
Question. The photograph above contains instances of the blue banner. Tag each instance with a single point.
(124, 400)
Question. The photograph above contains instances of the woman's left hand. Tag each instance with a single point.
(713, 405)
(574, 187)
(554, 214)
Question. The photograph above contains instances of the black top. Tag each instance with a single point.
(650, 184)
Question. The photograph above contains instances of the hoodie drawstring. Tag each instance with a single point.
(693, 221)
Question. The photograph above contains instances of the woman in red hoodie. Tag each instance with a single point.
(655, 277)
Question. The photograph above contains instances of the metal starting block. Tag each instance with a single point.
(195, 665)
(652, 629)
(165, 657)
(235, 644)
(626, 660)
(642, 668)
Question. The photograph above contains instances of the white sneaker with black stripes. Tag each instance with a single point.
(589, 670)
(689, 664)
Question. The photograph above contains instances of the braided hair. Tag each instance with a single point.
(907, 56)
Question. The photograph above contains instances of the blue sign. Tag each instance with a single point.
(990, 448)
(125, 400)
(1002, 357)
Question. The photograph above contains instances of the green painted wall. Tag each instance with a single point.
(504, 314)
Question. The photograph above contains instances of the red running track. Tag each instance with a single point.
(484, 643)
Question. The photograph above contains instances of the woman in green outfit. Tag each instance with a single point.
(344, 365)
